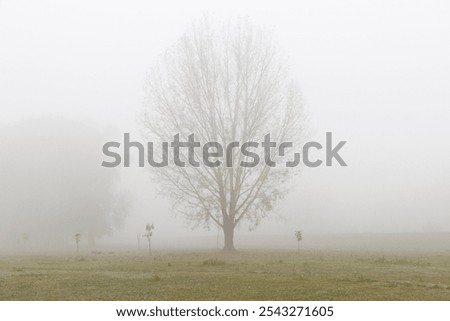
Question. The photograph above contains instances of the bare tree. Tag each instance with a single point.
(298, 235)
(77, 240)
(149, 228)
(224, 83)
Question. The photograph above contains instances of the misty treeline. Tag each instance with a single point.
(52, 186)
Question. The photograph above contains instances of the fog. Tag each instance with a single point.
(72, 78)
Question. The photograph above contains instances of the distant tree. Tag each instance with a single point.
(298, 235)
(149, 232)
(25, 238)
(54, 184)
(224, 83)
(77, 240)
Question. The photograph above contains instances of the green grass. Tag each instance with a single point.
(247, 275)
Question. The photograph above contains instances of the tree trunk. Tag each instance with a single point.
(228, 233)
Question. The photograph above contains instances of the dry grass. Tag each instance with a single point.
(247, 275)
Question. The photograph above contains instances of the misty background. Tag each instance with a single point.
(375, 74)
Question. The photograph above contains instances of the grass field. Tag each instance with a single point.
(246, 275)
